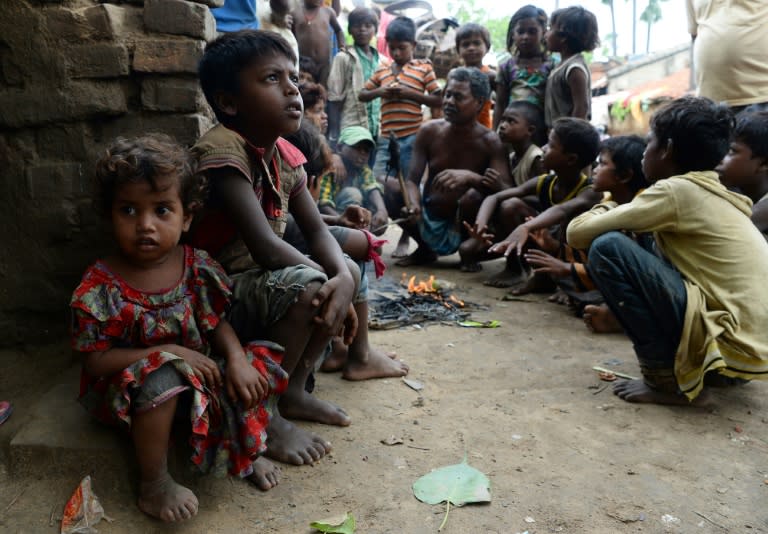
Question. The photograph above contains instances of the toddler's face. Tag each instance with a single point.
(148, 224)
(739, 166)
(472, 50)
(317, 116)
(527, 37)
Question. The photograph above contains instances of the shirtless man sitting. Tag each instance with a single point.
(466, 162)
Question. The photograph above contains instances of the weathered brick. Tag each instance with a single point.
(186, 129)
(168, 55)
(53, 180)
(65, 141)
(171, 94)
(179, 17)
(106, 20)
(98, 60)
(78, 100)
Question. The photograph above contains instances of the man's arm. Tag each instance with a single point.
(655, 209)
(491, 202)
(419, 159)
(268, 250)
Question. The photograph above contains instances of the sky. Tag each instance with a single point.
(671, 30)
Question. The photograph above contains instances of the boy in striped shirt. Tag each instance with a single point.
(404, 86)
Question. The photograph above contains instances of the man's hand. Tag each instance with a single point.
(245, 383)
(332, 301)
(491, 180)
(452, 179)
(413, 214)
(480, 233)
(355, 217)
(513, 243)
(547, 264)
(205, 368)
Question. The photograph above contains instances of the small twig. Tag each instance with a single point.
(387, 225)
(617, 373)
(601, 389)
(447, 509)
(13, 501)
(420, 448)
(50, 521)
(708, 519)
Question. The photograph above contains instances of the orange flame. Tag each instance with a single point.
(422, 286)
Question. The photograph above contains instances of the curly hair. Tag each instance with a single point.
(526, 12)
(149, 158)
(312, 93)
(578, 26)
(699, 129)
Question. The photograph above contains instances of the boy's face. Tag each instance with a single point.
(356, 156)
(269, 96)
(459, 106)
(472, 50)
(513, 128)
(656, 159)
(605, 178)
(739, 166)
(363, 33)
(555, 157)
(401, 51)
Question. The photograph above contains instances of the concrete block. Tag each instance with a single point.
(168, 55)
(60, 437)
(98, 60)
(171, 94)
(37, 105)
(53, 180)
(179, 17)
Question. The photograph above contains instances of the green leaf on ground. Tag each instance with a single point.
(478, 324)
(457, 484)
(340, 524)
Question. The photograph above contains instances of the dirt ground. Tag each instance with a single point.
(521, 401)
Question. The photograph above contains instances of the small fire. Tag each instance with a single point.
(422, 286)
(431, 288)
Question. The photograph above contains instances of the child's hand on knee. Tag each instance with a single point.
(245, 383)
(205, 369)
(332, 301)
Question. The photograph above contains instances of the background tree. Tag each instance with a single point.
(612, 35)
(650, 15)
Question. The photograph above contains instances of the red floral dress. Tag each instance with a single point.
(107, 312)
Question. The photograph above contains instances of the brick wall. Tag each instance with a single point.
(73, 75)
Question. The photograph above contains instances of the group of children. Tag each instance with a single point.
(228, 287)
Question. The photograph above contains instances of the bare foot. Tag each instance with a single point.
(165, 499)
(290, 444)
(307, 407)
(401, 250)
(378, 364)
(473, 267)
(266, 475)
(419, 257)
(506, 278)
(600, 319)
(538, 283)
(639, 391)
(560, 297)
(338, 357)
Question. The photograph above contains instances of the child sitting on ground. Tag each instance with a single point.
(312, 25)
(522, 129)
(696, 303)
(360, 187)
(745, 166)
(350, 70)
(249, 79)
(404, 86)
(619, 176)
(473, 42)
(150, 324)
(572, 30)
(557, 197)
(524, 75)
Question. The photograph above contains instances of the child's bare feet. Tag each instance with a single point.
(638, 391)
(307, 407)
(337, 358)
(166, 500)
(506, 278)
(378, 364)
(290, 444)
(600, 319)
(266, 475)
(401, 250)
(538, 283)
(560, 297)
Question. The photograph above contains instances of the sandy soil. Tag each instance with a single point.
(563, 454)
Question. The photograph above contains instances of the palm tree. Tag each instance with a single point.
(650, 15)
(609, 3)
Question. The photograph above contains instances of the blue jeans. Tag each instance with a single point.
(382, 155)
(644, 292)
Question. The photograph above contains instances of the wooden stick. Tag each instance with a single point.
(617, 373)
